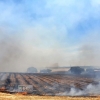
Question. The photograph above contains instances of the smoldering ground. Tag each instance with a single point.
(90, 90)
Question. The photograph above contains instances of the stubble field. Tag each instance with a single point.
(44, 85)
(4, 96)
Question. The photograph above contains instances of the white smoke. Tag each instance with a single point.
(90, 90)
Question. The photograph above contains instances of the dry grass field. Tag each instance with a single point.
(4, 96)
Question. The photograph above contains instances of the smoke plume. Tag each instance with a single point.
(31, 48)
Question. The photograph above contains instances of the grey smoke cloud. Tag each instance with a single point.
(31, 48)
(18, 52)
(10, 51)
(88, 52)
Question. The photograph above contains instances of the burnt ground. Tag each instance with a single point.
(43, 84)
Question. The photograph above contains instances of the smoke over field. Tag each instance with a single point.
(50, 46)
(19, 53)
(49, 84)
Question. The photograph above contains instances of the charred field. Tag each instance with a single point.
(47, 84)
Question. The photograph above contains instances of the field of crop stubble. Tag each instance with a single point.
(9, 80)
(44, 84)
(4, 96)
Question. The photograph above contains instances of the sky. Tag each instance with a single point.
(43, 33)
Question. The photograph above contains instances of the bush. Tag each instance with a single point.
(45, 71)
(76, 70)
(31, 70)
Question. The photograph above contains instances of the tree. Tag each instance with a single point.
(31, 70)
(76, 70)
(45, 71)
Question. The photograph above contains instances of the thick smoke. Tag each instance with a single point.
(88, 56)
(88, 52)
(30, 47)
(18, 51)
(10, 51)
